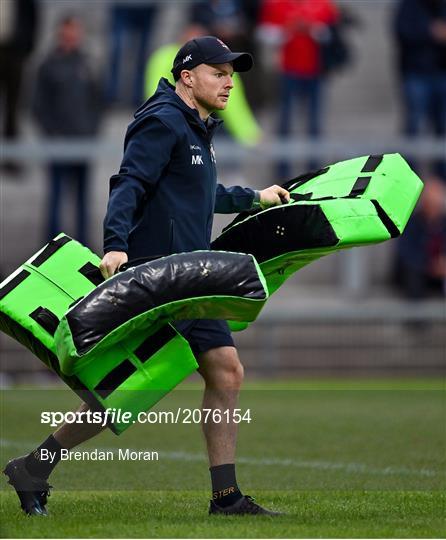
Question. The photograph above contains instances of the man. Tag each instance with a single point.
(162, 202)
(18, 29)
(130, 32)
(303, 26)
(420, 253)
(67, 103)
(420, 32)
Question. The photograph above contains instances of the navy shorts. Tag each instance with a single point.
(205, 334)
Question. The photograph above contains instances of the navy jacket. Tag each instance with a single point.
(164, 197)
(418, 51)
(67, 100)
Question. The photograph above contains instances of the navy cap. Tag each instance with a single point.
(209, 50)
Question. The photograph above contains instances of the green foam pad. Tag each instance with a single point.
(352, 203)
(135, 374)
(35, 297)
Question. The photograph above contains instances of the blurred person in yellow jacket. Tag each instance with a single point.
(238, 116)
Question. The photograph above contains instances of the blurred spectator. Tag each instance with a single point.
(302, 28)
(420, 265)
(67, 103)
(238, 117)
(234, 22)
(18, 21)
(420, 28)
(131, 25)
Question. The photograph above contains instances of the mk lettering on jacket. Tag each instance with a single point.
(197, 160)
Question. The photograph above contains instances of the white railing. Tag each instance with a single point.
(324, 149)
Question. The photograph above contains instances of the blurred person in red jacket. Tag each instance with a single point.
(303, 26)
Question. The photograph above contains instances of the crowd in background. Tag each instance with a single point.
(70, 95)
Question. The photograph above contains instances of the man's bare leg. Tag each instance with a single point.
(71, 435)
(223, 374)
(67, 436)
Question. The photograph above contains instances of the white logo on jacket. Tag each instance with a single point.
(197, 160)
(211, 147)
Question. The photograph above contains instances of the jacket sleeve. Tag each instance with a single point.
(147, 151)
(234, 199)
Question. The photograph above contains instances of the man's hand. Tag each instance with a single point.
(111, 262)
(273, 196)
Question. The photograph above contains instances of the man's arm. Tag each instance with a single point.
(146, 153)
(237, 199)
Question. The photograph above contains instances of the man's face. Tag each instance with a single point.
(70, 35)
(212, 84)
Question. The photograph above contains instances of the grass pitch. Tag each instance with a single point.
(342, 459)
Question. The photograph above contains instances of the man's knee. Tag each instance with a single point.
(221, 368)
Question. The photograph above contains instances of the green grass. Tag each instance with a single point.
(341, 458)
(183, 514)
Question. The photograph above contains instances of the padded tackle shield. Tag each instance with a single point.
(197, 285)
(360, 201)
(139, 357)
(115, 340)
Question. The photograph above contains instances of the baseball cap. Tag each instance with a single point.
(209, 50)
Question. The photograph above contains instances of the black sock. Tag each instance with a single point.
(40, 463)
(225, 490)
